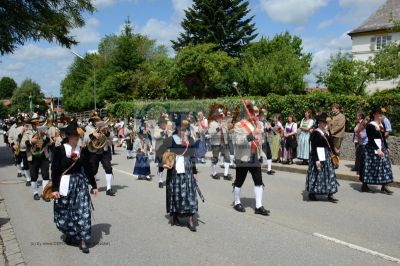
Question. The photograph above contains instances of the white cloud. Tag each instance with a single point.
(14, 66)
(181, 5)
(291, 11)
(161, 31)
(31, 52)
(89, 33)
(103, 3)
(361, 3)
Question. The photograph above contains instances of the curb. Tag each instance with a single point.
(10, 252)
(339, 174)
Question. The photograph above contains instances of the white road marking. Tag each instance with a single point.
(124, 172)
(362, 249)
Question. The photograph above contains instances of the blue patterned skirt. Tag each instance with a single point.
(321, 181)
(72, 213)
(201, 148)
(374, 169)
(142, 165)
(303, 149)
(181, 191)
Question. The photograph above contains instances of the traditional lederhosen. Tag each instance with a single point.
(23, 136)
(97, 156)
(218, 131)
(38, 159)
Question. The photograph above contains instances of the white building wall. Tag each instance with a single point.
(363, 49)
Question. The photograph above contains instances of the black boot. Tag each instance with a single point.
(365, 188)
(191, 225)
(175, 220)
(110, 192)
(83, 247)
(312, 197)
(386, 191)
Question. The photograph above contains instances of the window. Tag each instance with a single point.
(379, 42)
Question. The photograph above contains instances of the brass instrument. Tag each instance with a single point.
(38, 148)
(102, 140)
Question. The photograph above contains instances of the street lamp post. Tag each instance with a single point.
(94, 77)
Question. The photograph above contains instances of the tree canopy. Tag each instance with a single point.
(51, 20)
(346, 75)
(21, 97)
(7, 87)
(221, 22)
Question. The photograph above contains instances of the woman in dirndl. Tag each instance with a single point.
(276, 140)
(289, 144)
(72, 204)
(376, 167)
(141, 169)
(321, 176)
(306, 127)
(181, 181)
(202, 127)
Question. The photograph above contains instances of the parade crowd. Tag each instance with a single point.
(68, 152)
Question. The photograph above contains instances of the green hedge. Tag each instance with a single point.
(285, 105)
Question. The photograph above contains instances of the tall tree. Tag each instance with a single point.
(346, 75)
(386, 63)
(7, 87)
(223, 22)
(199, 68)
(21, 97)
(51, 20)
(276, 65)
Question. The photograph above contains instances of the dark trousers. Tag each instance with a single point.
(242, 168)
(39, 163)
(104, 158)
(216, 150)
(21, 157)
(267, 150)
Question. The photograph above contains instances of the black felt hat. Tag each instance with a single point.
(72, 130)
(322, 118)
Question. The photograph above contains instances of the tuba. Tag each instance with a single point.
(103, 140)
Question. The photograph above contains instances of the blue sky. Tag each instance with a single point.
(322, 24)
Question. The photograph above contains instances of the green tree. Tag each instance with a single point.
(21, 97)
(276, 65)
(51, 20)
(200, 67)
(3, 110)
(346, 75)
(223, 22)
(7, 87)
(386, 63)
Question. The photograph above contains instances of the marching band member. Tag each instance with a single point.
(266, 126)
(247, 141)
(23, 134)
(72, 213)
(129, 137)
(161, 132)
(13, 140)
(321, 177)
(218, 131)
(96, 139)
(376, 168)
(38, 158)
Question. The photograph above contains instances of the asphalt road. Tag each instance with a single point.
(133, 229)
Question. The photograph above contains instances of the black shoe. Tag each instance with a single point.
(36, 196)
(312, 197)
(69, 240)
(365, 188)
(386, 191)
(175, 221)
(262, 211)
(192, 227)
(332, 199)
(28, 183)
(83, 247)
(239, 207)
(110, 192)
(161, 184)
(46, 200)
(216, 177)
(19, 175)
(228, 177)
(270, 172)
